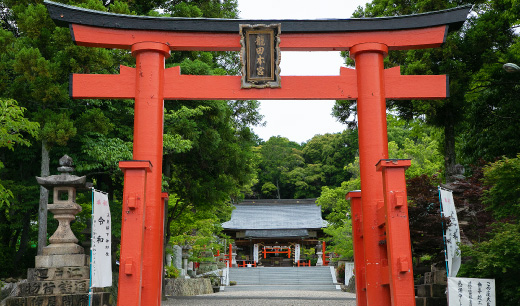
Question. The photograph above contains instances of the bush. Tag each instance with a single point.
(340, 273)
(172, 272)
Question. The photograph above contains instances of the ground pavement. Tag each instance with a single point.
(263, 297)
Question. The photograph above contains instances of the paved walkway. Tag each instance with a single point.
(278, 297)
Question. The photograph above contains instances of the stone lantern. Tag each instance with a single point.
(185, 256)
(63, 250)
(320, 255)
(61, 275)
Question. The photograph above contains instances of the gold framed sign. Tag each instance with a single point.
(260, 55)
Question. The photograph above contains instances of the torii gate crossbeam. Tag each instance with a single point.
(384, 269)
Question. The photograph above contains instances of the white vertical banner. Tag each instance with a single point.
(471, 291)
(255, 252)
(101, 241)
(296, 253)
(452, 232)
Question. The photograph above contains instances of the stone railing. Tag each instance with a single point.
(187, 287)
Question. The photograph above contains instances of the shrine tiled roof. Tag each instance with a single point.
(277, 233)
(275, 214)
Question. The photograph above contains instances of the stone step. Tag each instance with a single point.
(280, 287)
(308, 277)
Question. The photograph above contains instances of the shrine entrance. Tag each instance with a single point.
(277, 232)
(382, 247)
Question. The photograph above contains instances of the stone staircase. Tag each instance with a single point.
(282, 278)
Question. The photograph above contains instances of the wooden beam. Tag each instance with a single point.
(210, 87)
(420, 38)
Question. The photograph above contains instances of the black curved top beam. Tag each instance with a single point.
(64, 15)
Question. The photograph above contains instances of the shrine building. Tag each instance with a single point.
(275, 230)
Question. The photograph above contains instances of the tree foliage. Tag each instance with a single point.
(410, 140)
(415, 140)
(208, 158)
(488, 34)
(496, 258)
(503, 194)
(277, 157)
(290, 170)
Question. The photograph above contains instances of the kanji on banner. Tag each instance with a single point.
(471, 291)
(452, 232)
(255, 252)
(296, 253)
(101, 242)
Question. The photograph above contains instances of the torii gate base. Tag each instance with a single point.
(381, 235)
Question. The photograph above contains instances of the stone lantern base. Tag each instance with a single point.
(65, 260)
(65, 286)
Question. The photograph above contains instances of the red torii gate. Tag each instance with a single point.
(386, 257)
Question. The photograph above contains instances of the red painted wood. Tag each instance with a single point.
(90, 36)
(148, 145)
(205, 87)
(357, 241)
(104, 86)
(373, 144)
(397, 231)
(132, 232)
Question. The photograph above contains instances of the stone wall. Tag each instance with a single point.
(433, 291)
(62, 286)
(187, 287)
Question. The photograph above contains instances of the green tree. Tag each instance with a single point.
(502, 196)
(333, 152)
(496, 258)
(13, 126)
(36, 58)
(408, 140)
(488, 32)
(14, 231)
(336, 210)
(278, 157)
(493, 110)
(494, 253)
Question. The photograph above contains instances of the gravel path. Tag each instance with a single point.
(279, 297)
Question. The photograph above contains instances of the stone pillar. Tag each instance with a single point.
(177, 257)
(234, 259)
(185, 256)
(320, 259)
(320, 255)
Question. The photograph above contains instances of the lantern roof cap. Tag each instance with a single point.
(64, 179)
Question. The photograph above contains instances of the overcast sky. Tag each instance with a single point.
(300, 120)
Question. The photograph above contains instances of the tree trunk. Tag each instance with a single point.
(24, 239)
(449, 147)
(44, 200)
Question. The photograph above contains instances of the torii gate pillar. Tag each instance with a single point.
(148, 145)
(373, 144)
(140, 276)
